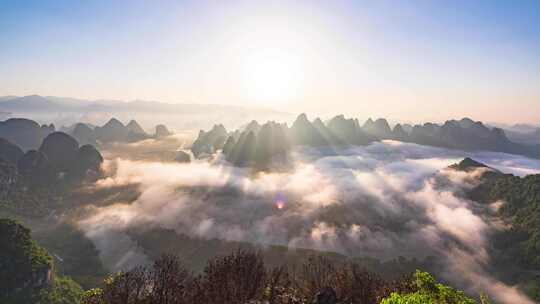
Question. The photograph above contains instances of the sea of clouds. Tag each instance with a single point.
(384, 200)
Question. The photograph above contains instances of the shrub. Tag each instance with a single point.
(429, 292)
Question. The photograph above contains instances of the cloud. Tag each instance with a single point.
(383, 200)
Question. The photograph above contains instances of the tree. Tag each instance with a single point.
(27, 271)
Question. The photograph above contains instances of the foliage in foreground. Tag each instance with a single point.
(27, 271)
(243, 278)
(429, 292)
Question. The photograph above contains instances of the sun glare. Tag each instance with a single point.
(272, 77)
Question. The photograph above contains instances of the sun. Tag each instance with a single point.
(272, 77)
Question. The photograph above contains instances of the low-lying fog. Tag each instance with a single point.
(385, 200)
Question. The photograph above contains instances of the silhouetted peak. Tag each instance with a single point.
(318, 123)
(499, 133)
(134, 127)
(89, 157)
(253, 126)
(368, 124)
(22, 122)
(340, 117)
(114, 123)
(302, 118)
(61, 149)
(468, 164)
(58, 140)
(81, 127)
(162, 131)
(219, 129)
(49, 127)
(301, 122)
(382, 124)
(466, 122)
(399, 131)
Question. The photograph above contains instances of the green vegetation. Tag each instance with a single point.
(521, 197)
(521, 243)
(429, 292)
(28, 270)
(63, 291)
(515, 249)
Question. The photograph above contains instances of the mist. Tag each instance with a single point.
(384, 200)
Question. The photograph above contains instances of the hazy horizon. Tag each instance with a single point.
(420, 61)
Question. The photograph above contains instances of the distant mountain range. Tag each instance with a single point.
(114, 131)
(179, 116)
(37, 103)
(29, 135)
(257, 144)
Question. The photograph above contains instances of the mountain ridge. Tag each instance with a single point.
(464, 134)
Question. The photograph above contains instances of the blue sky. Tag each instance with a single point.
(405, 60)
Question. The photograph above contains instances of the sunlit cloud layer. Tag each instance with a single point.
(385, 200)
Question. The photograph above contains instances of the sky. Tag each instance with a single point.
(403, 60)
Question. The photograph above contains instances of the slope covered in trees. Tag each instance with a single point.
(27, 273)
(515, 200)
